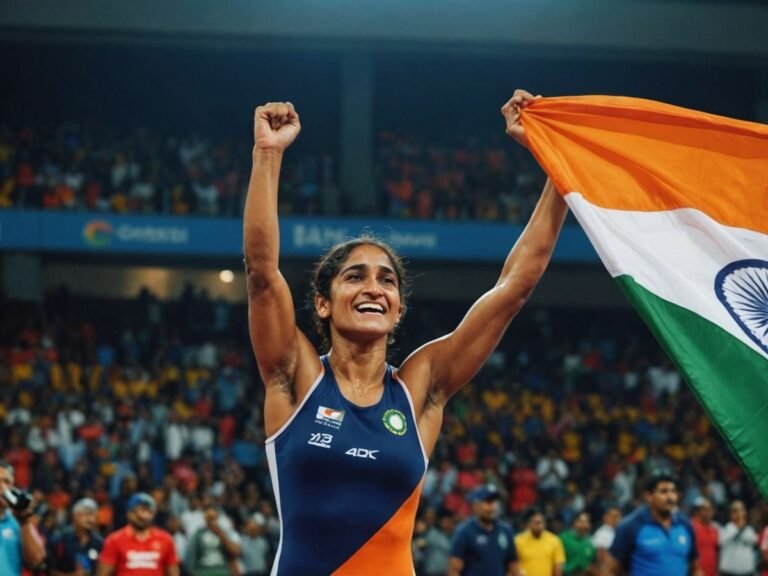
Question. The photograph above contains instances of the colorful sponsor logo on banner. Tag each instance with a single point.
(97, 233)
(100, 233)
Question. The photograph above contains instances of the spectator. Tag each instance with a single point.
(20, 543)
(707, 536)
(655, 539)
(212, 550)
(737, 543)
(437, 546)
(420, 528)
(541, 552)
(173, 526)
(75, 550)
(483, 545)
(763, 556)
(139, 548)
(552, 472)
(603, 537)
(255, 548)
(579, 550)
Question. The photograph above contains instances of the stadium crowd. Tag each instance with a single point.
(142, 172)
(102, 399)
(470, 179)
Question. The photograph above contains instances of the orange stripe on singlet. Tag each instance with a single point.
(389, 550)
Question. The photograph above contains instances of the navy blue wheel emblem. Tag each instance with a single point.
(742, 287)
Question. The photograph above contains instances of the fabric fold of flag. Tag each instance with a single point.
(676, 204)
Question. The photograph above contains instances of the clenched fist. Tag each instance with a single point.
(275, 126)
(511, 112)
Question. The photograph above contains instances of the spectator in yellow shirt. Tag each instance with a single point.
(539, 552)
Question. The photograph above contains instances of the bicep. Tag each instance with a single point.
(455, 358)
(272, 326)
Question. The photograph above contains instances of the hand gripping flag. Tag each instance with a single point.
(676, 204)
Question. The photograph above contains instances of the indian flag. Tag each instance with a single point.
(676, 204)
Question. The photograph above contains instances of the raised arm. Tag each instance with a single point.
(449, 362)
(284, 355)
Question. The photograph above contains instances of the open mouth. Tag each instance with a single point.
(370, 308)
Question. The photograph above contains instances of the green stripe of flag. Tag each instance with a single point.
(729, 378)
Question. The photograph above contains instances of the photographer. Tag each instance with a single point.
(20, 543)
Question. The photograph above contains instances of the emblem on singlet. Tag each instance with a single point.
(329, 417)
(395, 422)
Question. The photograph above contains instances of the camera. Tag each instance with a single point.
(17, 499)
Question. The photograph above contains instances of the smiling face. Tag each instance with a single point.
(364, 303)
(328, 269)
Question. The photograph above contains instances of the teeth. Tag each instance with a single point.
(370, 308)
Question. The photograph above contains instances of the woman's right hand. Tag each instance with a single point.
(275, 126)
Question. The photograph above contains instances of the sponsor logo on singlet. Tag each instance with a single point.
(362, 453)
(329, 417)
(320, 440)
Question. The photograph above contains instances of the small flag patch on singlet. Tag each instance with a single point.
(329, 416)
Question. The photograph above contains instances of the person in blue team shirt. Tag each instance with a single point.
(74, 550)
(483, 545)
(19, 541)
(655, 539)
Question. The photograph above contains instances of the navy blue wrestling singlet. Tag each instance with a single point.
(347, 481)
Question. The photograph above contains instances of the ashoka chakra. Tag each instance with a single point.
(742, 287)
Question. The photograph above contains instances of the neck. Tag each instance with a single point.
(663, 518)
(485, 523)
(141, 533)
(358, 371)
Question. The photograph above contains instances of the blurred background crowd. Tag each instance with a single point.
(103, 398)
(73, 168)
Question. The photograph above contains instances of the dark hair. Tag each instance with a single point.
(8, 466)
(530, 513)
(327, 269)
(657, 477)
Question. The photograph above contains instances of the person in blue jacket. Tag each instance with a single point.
(483, 545)
(655, 539)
